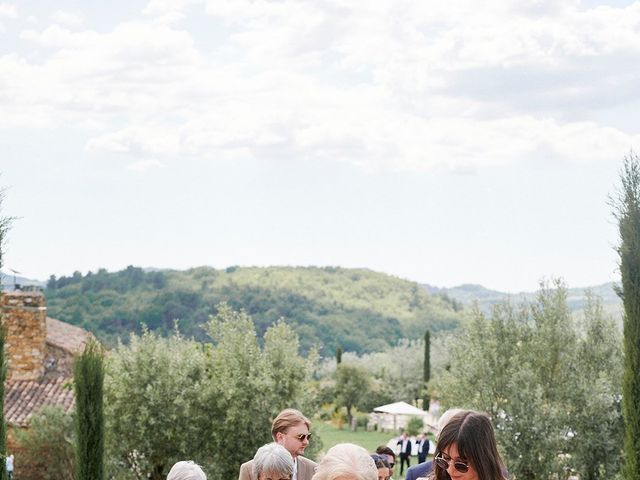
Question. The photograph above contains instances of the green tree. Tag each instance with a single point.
(628, 216)
(171, 399)
(352, 385)
(251, 385)
(426, 373)
(596, 444)
(415, 425)
(156, 409)
(390, 380)
(89, 384)
(48, 445)
(548, 389)
(338, 355)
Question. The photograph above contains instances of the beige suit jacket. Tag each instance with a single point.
(306, 469)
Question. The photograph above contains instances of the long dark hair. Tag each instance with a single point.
(475, 440)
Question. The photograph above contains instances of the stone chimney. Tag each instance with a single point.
(24, 315)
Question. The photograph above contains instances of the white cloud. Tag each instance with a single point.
(8, 10)
(144, 165)
(384, 84)
(70, 19)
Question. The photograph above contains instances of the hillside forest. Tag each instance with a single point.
(359, 310)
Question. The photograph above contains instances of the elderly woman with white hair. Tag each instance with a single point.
(273, 462)
(186, 470)
(346, 461)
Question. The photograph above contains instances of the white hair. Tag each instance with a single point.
(186, 470)
(273, 458)
(446, 416)
(348, 461)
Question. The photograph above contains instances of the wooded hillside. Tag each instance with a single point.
(361, 310)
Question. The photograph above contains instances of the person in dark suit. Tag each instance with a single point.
(406, 445)
(423, 447)
(419, 471)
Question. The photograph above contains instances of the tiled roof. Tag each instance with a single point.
(66, 336)
(23, 398)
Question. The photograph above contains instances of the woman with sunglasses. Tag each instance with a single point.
(467, 449)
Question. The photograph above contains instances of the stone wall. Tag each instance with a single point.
(24, 315)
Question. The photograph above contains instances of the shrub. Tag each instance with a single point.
(415, 425)
(48, 445)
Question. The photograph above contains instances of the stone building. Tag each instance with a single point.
(40, 354)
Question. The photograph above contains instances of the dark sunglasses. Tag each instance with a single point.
(458, 465)
(302, 436)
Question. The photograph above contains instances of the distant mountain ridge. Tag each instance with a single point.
(9, 280)
(467, 294)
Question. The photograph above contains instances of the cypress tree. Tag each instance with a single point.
(338, 355)
(89, 379)
(427, 369)
(627, 211)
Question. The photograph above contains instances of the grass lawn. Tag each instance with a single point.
(330, 436)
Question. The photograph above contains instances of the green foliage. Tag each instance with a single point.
(359, 310)
(352, 385)
(338, 355)
(48, 445)
(156, 406)
(394, 374)
(628, 216)
(88, 373)
(251, 385)
(174, 399)
(415, 425)
(596, 445)
(553, 394)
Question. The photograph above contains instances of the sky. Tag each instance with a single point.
(441, 142)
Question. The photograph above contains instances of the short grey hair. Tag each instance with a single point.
(446, 416)
(273, 458)
(348, 461)
(186, 470)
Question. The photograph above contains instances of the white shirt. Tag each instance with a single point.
(295, 469)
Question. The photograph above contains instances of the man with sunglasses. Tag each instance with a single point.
(291, 430)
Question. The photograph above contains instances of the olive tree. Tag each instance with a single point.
(171, 399)
(552, 391)
(155, 407)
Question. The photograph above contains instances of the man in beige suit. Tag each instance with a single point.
(291, 430)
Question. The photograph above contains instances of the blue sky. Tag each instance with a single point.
(445, 144)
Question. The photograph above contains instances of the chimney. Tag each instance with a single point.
(24, 315)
